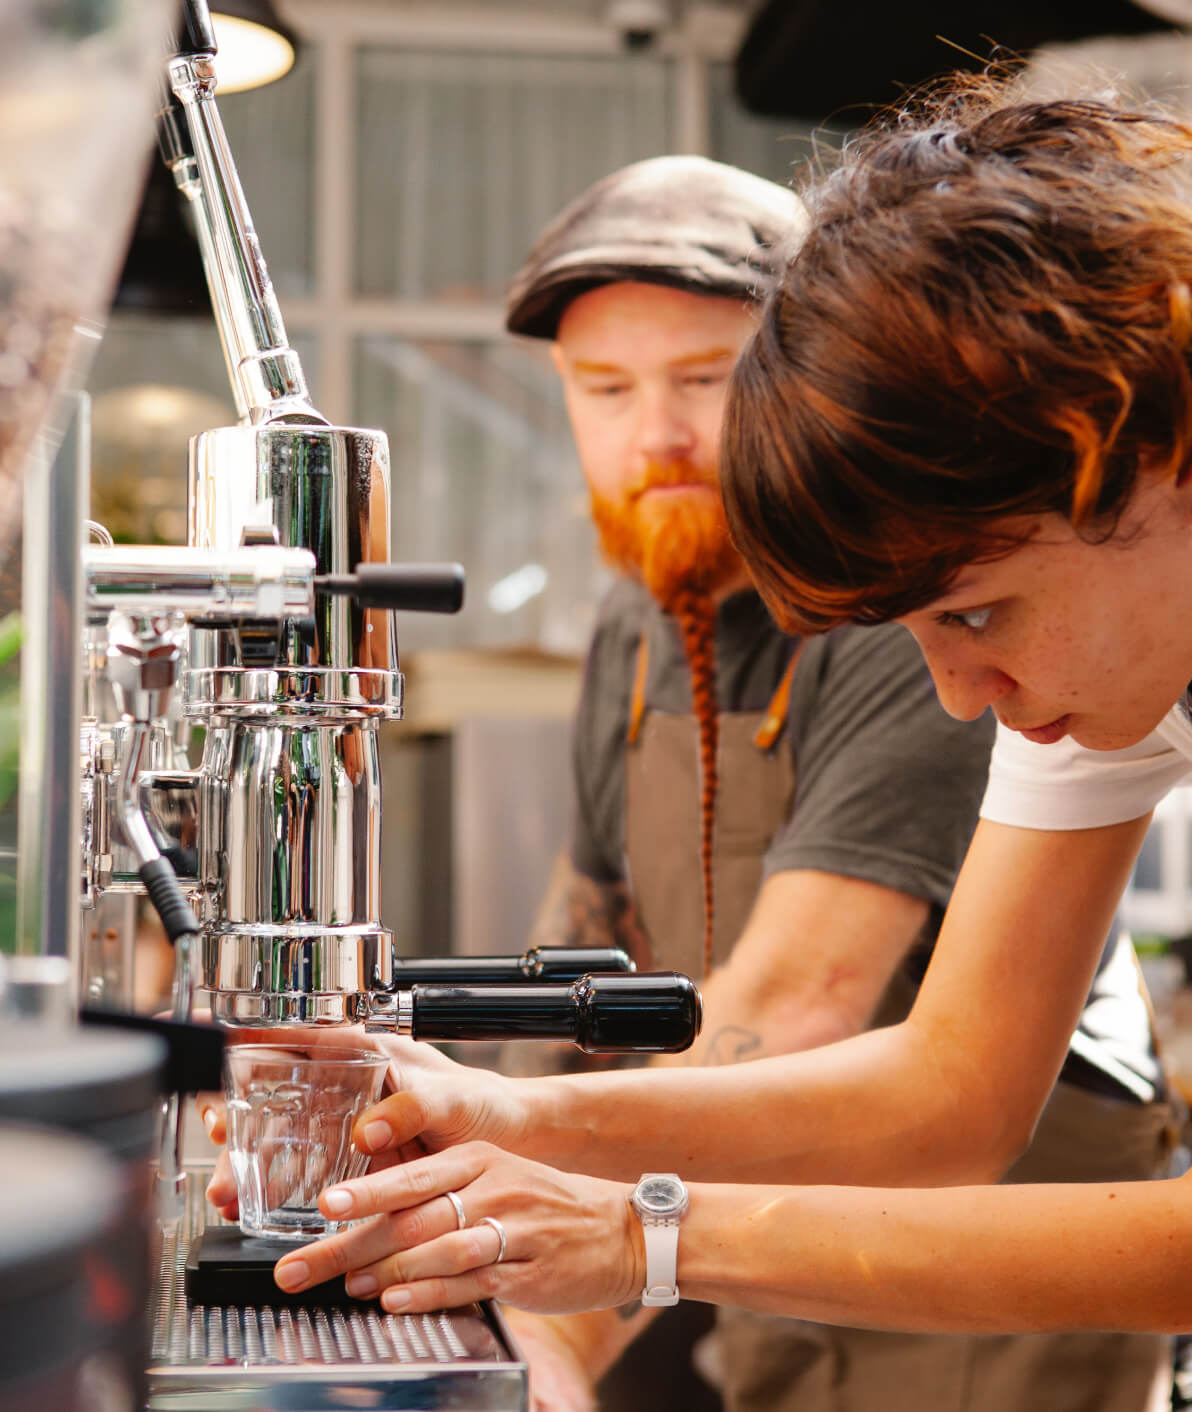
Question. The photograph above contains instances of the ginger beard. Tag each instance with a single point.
(678, 544)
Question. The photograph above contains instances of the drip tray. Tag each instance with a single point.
(266, 1357)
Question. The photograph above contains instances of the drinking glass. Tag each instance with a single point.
(290, 1111)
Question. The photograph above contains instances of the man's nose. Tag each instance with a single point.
(664, 431)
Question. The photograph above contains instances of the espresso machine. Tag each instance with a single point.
(272, 631)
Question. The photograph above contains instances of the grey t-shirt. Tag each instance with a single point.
(887, 784)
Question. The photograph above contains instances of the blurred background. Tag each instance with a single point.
(398, 173)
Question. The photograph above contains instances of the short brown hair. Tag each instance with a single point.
(989, 318)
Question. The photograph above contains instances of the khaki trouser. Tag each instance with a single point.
(785, 1365)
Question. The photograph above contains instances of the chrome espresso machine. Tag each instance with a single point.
(272, 630)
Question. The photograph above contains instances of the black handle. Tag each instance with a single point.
(645, 1013)
(409, 588)
(554, 963)
(197, 34)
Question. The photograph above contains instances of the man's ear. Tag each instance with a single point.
(556, 357)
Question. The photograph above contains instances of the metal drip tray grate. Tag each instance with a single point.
(313, 1359)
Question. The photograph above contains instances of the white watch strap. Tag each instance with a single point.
(662, 1258)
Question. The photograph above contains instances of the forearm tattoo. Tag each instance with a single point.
(731, 1044)
(580, 911)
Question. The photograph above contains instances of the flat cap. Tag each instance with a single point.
(686, 222)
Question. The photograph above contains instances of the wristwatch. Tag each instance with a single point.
(661, 1201)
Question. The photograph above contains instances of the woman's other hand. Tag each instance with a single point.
(570, 1242)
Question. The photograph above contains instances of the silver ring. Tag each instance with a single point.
(460, 1219)
(500, 1230)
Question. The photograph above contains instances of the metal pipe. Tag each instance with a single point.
(266, 376)
(207, 585)
(50, 817)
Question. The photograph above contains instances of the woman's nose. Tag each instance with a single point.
(966, 690)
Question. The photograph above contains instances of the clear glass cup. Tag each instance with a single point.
(290, 1111)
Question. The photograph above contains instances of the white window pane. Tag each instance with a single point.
(484, 472)
(463, 158)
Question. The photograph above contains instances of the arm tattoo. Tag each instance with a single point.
(579, 911)
(731, 1044)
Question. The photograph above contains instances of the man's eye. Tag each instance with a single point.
(606, 389)
(704, 379)
(973, 619)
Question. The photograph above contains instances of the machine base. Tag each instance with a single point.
(271, 1356)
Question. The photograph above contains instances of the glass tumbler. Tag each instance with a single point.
(290, 1111)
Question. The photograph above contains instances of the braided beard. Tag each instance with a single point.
(696, 614)
(679, 546)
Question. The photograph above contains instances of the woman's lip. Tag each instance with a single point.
(1048, 734)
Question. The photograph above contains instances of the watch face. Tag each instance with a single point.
(660, 1196)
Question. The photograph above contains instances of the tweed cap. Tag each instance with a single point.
(686, 222)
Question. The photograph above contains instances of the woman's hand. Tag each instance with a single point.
(434, 1104)
(571, 1242)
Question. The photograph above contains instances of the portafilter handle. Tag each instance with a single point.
(642, 1013)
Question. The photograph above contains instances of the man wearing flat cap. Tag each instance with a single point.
(782, 818)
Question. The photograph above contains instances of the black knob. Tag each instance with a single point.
(409, 588)
(197, 34)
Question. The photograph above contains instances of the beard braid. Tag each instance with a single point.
(696, 616)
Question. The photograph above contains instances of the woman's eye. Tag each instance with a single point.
(974, 619)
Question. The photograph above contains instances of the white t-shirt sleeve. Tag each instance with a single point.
(1065, 786)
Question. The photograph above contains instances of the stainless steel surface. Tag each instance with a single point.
(391, 1014)
(50, 807)
(312, 975)
(266, 1358)
(261, 582)
(291, 825)
(325, 489)
(312, 692)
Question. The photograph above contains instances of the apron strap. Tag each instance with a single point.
(772, 722)
(779, 708)
(637, 702)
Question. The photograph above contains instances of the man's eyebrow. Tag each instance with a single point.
(710, 355)
(597, 369)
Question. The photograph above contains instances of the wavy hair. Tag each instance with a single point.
(989, 320)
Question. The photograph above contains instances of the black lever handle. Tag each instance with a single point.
(410, 588)
(542, 963)
(197, 34)
(645, 1013)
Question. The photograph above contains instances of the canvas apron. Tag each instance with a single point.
(767, 1364)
